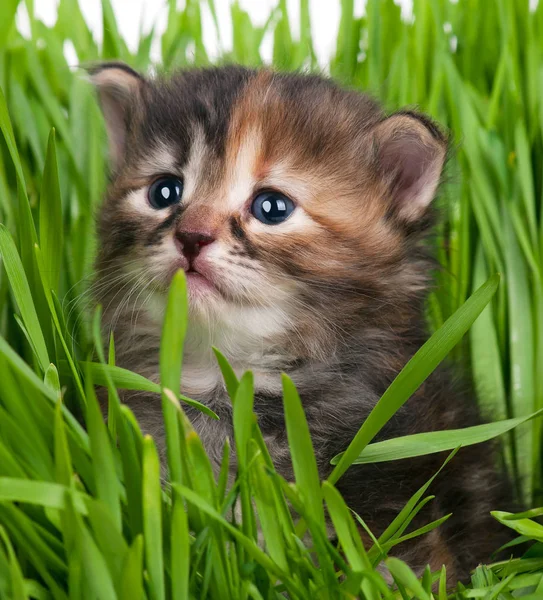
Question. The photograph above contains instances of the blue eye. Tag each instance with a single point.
(165, 192)
(272, 208)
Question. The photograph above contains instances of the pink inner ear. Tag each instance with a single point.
(411, 159)
(115, 118)
(118, 89)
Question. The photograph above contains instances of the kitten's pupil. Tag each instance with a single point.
(272, 208)
(164, 192)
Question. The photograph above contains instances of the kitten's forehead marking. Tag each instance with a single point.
(195, 169)
(243, 162)
(161, 159)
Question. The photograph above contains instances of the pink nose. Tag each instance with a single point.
(190, 243)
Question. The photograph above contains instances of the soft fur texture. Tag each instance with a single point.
(334, 296)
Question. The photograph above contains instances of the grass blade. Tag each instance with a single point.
(23, 296)
(416, 371)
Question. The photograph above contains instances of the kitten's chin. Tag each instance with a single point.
(199, 286)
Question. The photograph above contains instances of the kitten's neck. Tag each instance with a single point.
(265, 343)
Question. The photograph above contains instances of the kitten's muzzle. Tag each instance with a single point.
(190, 243)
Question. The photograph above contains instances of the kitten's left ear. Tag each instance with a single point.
(119, 91)
(410, 157)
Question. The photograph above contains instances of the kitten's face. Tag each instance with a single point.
(286, 200)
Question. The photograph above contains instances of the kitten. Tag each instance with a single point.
(300, 213)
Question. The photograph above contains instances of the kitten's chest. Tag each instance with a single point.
(206, 385)
(204, 382)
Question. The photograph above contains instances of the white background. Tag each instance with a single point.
(136, 15)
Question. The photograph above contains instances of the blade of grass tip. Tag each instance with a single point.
(527, 514)
(527, 527)
(113, 46)
(171, 355)
(180, 549)
(398, 522)
(416, 533)
(23, 297)
(152, 519)
(427, 580)
(121, 378)
(404, 575)
(230, 379)
(421, 444)
(442, 588)
(52, 381)
(51, 226)
(18, 591)
(410, 518)
(423, 363)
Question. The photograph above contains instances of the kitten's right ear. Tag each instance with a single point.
(410, 153)
(119, 91)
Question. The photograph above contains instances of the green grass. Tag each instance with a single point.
(82, 510)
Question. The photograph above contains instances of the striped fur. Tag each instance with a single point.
(334, 296)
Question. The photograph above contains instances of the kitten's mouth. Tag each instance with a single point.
(197, 281)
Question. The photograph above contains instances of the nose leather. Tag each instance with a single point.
(192, 242)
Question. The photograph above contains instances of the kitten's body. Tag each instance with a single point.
(333, 296)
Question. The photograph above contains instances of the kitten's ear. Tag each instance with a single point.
(410, 156)
(119, 91)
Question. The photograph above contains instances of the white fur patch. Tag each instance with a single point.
(279, 178)
(160, 161)
(241, 176)
(194, 170)
(298, 222)
(138, 202)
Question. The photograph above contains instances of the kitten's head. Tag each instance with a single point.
(293, 206)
